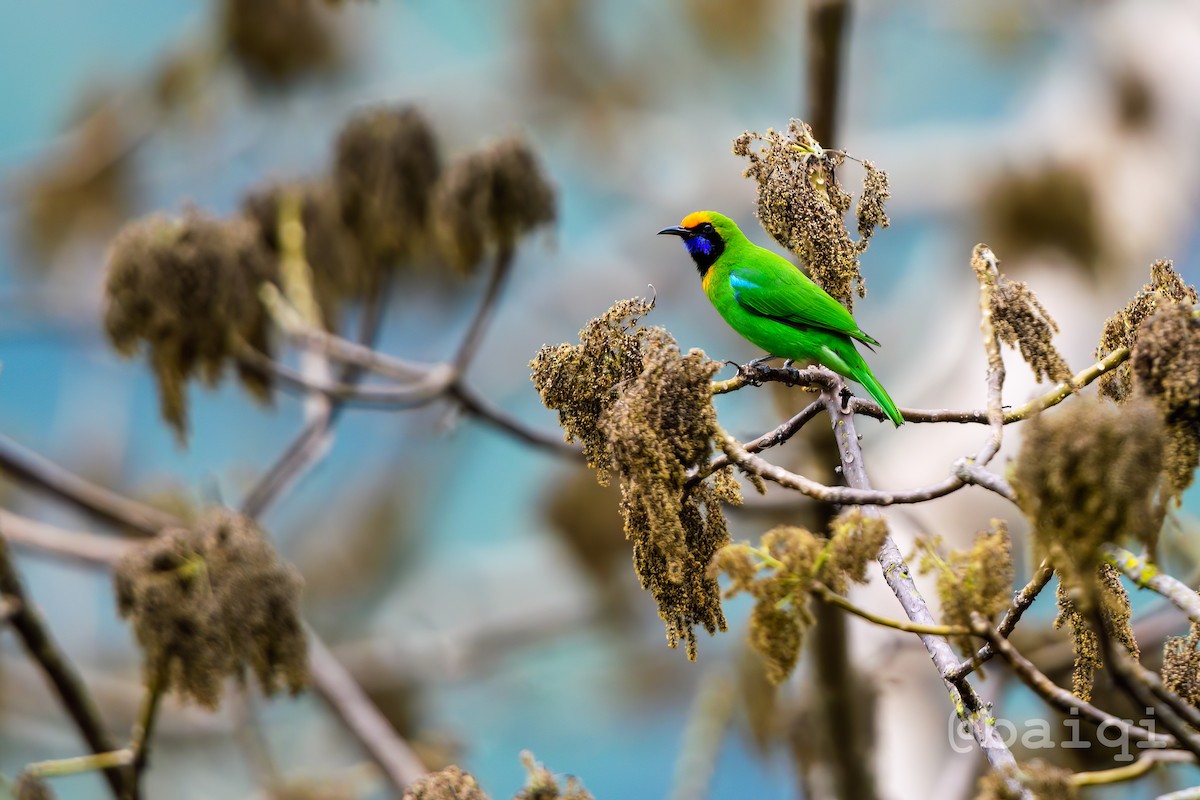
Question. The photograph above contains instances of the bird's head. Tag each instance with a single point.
(705, 234)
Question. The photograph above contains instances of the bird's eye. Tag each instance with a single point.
(706, 227)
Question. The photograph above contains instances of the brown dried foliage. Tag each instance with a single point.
(1044, 781)
(386, 165)
(210, 602)
(1114, 610)
(1166, 368)
(1121, 330)
(803, 206)
(541, 784)
(1181, 665)
(644, 410)
(1052, 207)
(32, 787)
(978, 580)
(279, 40)
(188, 289)
(1086, 475)
(450, 783)
(490, 198)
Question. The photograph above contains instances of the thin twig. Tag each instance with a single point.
(1147, 576)
(988, 273)
(1144, 763)
(59, 767)
(31, 629)
(901, 625)
(89, 548)
(34, 470)
(770, 439)
(475, 405)
(478, 326)
(1020, 602)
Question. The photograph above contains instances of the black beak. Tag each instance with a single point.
(676, 230)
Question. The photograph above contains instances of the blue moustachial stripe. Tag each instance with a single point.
(699, 245)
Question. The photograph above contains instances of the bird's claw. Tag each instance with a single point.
(845, 396)
(755, 372)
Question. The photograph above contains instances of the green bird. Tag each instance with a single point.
(774, 305)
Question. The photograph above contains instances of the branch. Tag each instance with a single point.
(61, 673)
(1021, 601)
(833, 598)
(984, 262)
(1054, 694)
(483, 315)
(400, 765)
(1145, 762)
(972, 711)
(478, 407)
(1146, 576)
(770, 439)
(34, 470)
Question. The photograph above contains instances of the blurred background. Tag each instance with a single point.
(479, 589)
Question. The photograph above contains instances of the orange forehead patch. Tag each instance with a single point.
(694, 219)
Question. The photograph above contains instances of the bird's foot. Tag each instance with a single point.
(755, 372)
(845, 396)
(761, 360)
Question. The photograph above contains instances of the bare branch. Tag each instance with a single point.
(770, 439)
(60, 672)
(1145, 762)
(479, 322)
(901, 625)
(34, 470)
(88, 548)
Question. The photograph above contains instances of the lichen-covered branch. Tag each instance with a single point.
(1147, 576)
(1022, 600)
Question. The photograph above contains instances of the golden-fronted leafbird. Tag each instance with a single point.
(774, 305)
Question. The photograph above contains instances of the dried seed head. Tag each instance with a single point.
(387, 163)
(1105, 584)
(488, 199)
(978, 580)
(329, 248)
(279, 40)
(541, 784)
(188, 288)
(450, 783)
(662, 425)
(1166, 368)
(1050, 208)
(802, 205)
(582, 381)
(1022, 322)
(779, 577)
(1044, 782)
(1121, 330)
(1181, 665)
(644, 410)
(854, 543)
(210, 602)
(1086, 475)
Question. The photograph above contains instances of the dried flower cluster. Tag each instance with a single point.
(1121, 330)
(1181, 665)
(1044, 782)
(1166, 368)
(211, 602)
(541, 784)
(1022, 322)
(188, 288)
(1086, 475)
(279, 40)
(644, 410)
(32, 787)
(802, 204)
(782, 572)
(489, 199)
(450, 783)
(386, 163)
(977, 580)
(1073, 608)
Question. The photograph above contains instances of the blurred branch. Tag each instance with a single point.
(984, 262)
(32, 469)
(901, 625)
(400, 765)
(60, 672)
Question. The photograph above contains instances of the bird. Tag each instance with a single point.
(772, 304)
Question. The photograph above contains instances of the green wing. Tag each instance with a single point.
(782, 292)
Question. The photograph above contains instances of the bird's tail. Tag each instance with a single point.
(879, 394)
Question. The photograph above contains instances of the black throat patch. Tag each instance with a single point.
(705, 249)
